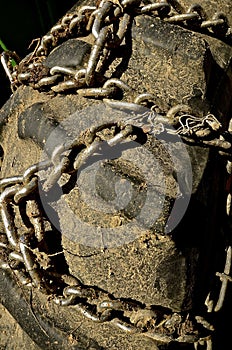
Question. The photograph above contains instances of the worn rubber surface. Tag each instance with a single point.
(172, 271)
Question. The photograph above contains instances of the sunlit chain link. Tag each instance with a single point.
(21, 258)
(99, 306)
(108, 22)
(229, 180)
(61, 162)
(202, 128)
(206, 131)
(20, 252)
(203, 131)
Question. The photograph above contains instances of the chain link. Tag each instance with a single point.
(21, 252)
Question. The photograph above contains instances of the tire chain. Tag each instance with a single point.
(22, 252)
(108, 22)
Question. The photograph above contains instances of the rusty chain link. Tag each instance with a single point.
(24, 252)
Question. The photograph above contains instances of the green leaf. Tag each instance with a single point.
(3, 46)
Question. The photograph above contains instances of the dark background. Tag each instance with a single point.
(23, 21)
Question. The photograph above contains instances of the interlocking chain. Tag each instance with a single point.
(108, 22)
(25, 251)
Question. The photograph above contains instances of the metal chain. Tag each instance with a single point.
(108, 22)
(21, 252)
(24, 253)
